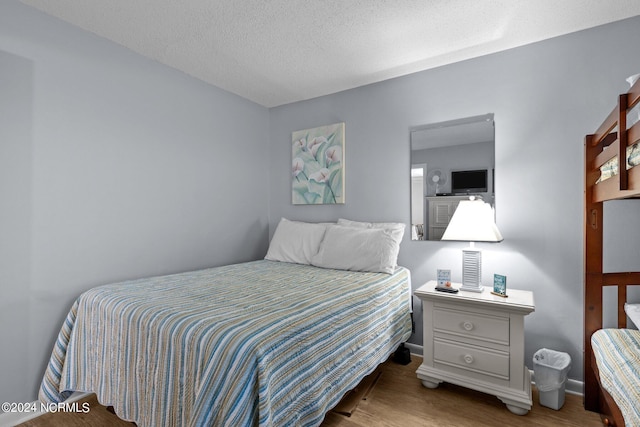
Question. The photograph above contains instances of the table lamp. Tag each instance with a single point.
(472, 222)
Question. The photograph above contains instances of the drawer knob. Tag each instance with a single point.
(468, 358)
(467, 325)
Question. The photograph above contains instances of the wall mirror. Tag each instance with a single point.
(449, 162)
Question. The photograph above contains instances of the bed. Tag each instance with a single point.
(264, 343)
(611, 364)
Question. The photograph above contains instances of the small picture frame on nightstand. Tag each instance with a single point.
(444, 282)
(444, 278)
(499, 285)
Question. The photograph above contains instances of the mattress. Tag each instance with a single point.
(633, 312)
(617, 353)
(262, 343)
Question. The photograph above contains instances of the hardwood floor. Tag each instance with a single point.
(398, 399)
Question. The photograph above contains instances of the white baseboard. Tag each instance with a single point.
(414, 349)
(10, 419)
(571, 387)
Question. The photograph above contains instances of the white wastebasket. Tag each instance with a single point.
(550, 368)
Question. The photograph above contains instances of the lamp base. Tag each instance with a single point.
(471, 269)
(471, 288)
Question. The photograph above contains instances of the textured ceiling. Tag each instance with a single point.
(280, 51)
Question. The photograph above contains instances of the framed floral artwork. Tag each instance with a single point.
(318, 165)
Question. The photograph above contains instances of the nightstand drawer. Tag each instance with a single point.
(483, 327)
(470, 358)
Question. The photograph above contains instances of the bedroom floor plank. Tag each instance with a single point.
(397, 400)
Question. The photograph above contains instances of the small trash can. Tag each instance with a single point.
(550, 368)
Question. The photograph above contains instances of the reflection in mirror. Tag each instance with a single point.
(449, 162)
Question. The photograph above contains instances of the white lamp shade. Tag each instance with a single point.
(473, 222)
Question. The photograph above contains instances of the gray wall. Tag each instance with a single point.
(16, 75)
(112, 167)
(546, 97)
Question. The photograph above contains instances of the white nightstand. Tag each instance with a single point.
(476, 340)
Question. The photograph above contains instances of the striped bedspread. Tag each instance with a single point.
(617, 353)
(262, 343)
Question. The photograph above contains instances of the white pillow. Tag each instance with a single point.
(395, 228)
(633, 311)
(295, 241)
(357, 249)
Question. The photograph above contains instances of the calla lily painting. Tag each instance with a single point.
(317, 165)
